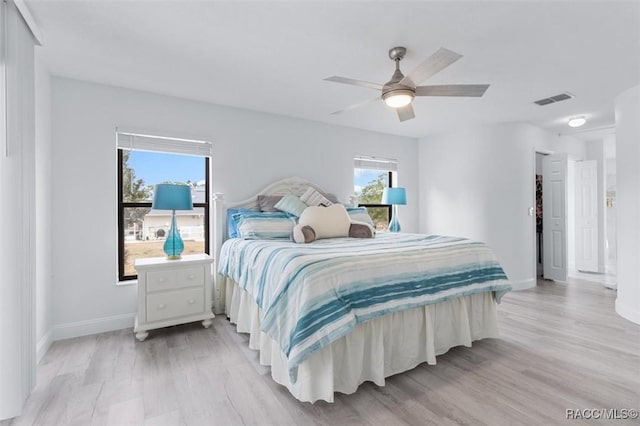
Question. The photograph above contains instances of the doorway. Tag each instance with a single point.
(538, 212)
(611, 225)
(611, 228)
(595, 213)
(549, 212)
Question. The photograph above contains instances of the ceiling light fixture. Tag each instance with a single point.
(398, 98)
(577, 121)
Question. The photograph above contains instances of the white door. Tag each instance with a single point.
(587, 216)
(554, 216)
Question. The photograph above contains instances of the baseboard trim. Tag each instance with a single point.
(43, 345)
(92, 326)
(626, 312)
(523, 284)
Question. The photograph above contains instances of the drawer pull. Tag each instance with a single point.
(192, 301)
(162, 306)
(191, 276)
(161, 280)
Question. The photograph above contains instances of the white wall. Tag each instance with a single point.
(628, 203)
(479, 183)
(251, 149)
(44, 281)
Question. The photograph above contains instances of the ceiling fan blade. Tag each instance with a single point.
(349, 108)
(431, 66)
(405, 113)
(471, 90)
(353, 82)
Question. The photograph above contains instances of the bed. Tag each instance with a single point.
(330, 315)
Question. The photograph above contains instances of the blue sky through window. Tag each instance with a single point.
(158, 167)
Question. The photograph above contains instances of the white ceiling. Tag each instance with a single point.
(273, 56)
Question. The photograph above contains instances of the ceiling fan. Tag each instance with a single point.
(399, 92)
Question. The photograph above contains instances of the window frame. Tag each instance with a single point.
(128, 204)
(388, 206)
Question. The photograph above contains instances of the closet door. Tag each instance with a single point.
(587, 216)
(17, 201)
(554, 218)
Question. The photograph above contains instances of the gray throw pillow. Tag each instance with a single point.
(361, 230)
(267, 202)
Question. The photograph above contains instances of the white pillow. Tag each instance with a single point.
(327, 222)
(311, 197)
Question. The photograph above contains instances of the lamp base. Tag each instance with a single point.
(173, 245)
(394, 225)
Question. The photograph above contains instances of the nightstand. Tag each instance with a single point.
(172, 292)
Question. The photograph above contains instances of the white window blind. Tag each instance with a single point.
(373, 163)
(146, 142)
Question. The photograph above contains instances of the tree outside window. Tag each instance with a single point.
(368, 187)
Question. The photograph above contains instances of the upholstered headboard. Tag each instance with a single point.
(291, 185)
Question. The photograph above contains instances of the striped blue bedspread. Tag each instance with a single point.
(313, 294)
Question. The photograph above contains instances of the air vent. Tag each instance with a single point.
(552, 99)
(545, 101)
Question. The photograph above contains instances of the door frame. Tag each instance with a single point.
(532, 209)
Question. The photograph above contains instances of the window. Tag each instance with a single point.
(370, 177)
(144, 161)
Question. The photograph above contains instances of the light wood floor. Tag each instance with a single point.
(562, 347)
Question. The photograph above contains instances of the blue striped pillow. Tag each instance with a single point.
(291, 204)
(232, 225)
(360, 214)
(254, 225)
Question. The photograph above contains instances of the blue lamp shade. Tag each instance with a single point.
(172, 197)
(395, 197)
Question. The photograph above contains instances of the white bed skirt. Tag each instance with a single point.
(376, 349)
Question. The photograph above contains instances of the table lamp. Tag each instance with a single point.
(172, 197)
(395, 197)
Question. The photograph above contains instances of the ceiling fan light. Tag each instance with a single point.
(577, 121)
(398, 98)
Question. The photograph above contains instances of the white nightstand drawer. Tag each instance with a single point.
(160, 280)
(190, 277)
(179, 278)
(171, 304)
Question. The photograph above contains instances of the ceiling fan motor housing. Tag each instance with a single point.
(393, 87)
(394, 83)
